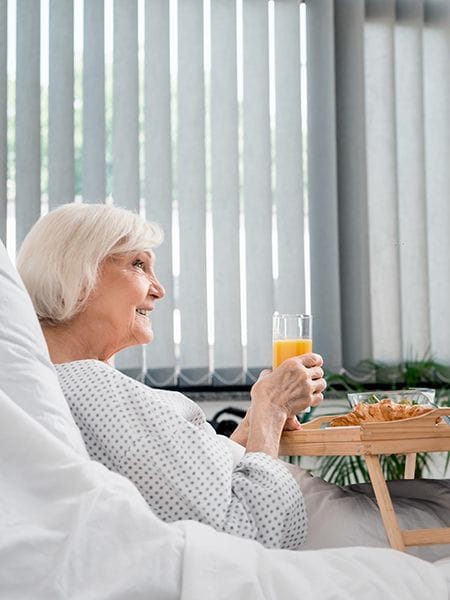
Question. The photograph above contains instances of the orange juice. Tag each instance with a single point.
(283, 349)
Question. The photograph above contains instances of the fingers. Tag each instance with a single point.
(292, 424)
(264, 374)
(319, 385)
(316, 372)
(295, 385)
(297, 364)
(311, 360)
(316, 399)
(318, 382)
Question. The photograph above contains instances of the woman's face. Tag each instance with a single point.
(118, 310)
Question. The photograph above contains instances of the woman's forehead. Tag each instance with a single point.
(144, 251)
(124, 256)
(150, 253)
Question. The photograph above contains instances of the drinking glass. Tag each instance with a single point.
(292, 335)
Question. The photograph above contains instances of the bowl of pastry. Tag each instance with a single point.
(410, 396)
(383, 410)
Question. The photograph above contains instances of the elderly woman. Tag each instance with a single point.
(90, 272)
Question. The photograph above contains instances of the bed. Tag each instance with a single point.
(72, 529)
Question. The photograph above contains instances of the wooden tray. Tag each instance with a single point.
(425, 433)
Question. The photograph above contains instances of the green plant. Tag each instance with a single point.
(345, 470)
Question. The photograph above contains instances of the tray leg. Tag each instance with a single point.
(410, 465)
(384, 502)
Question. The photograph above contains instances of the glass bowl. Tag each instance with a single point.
(409, 396)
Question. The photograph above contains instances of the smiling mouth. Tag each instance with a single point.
(143, 312)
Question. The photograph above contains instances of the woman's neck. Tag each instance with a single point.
(66, 344)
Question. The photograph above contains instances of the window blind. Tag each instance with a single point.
(295, 154)
(159, 181)
(3, 116)
(61, 187)
(386, 129)
(27, 147)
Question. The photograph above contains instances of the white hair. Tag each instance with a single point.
(60, 257)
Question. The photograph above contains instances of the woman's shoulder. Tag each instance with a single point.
(96, 376)
(88, 363)
(97, 373)
(84, 369)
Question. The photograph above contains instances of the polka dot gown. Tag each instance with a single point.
(161, 441)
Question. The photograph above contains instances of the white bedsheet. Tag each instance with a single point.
(71, 529)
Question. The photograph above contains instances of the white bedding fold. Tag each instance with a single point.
(70, 529)
(338, 574)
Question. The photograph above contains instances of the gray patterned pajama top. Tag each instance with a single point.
(161, 441)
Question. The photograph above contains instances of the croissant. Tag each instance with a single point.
(385, 410)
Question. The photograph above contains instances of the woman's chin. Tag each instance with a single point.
(144, 337)
(149, 339)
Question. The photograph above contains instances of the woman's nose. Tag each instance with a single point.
(156, 288)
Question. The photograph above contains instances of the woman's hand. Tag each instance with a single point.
(279, 395)
(293, 386)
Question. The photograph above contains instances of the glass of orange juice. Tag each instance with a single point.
(292, 335)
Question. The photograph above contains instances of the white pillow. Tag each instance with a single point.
(23, 351)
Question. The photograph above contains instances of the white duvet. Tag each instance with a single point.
(70, 529)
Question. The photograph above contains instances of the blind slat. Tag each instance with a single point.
(382, 188)
(411, 181)
(126, 106)
(257, 183)
(28, 140)
(191, 190)
(3, 113)
(290, 287)
(352, 183)
(93, 152)
(437, 152)
(158, 180)
(126, 191)
(60, 104)
(225, 188)
(322, 183)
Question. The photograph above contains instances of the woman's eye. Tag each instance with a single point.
(139, 264)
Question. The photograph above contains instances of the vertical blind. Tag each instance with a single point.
(296, 155)
(379, 107)
(3, 117)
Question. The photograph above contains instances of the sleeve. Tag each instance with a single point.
(185, 473)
